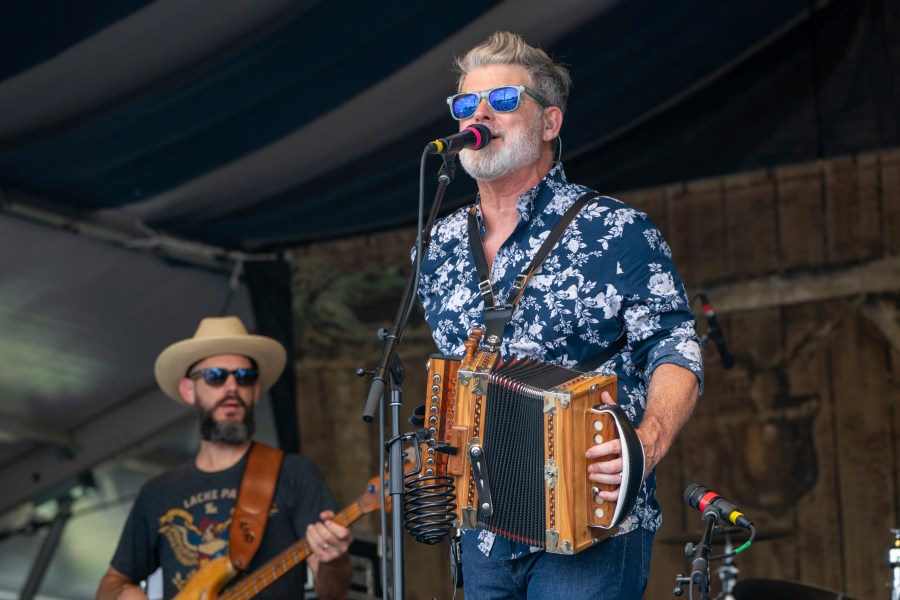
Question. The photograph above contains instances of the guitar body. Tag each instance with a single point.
(209, 581)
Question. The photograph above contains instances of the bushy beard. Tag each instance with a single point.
(519, 150)
(227, 432)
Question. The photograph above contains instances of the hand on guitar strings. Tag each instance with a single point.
(327, 539)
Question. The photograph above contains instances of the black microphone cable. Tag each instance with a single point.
(715, 332)
(743, 546)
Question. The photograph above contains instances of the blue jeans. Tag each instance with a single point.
(615, 569)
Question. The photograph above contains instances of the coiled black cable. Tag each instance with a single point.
(429, 507)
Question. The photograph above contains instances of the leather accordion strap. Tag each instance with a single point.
(632, 463)
(496, 317)
(248, 523)
(598, 359)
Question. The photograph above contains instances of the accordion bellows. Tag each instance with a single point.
(521, 429)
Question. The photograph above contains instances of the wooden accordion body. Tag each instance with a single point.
(521, 429)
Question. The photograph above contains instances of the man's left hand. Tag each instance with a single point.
(327, 539)
(609, 471)
(671, 397)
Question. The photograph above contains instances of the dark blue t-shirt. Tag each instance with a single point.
(181, 521)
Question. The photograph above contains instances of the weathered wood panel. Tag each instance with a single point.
(815, 520)
(889, 182)
(696, 233)
(750, 224)
(853, 223)
(801, 216)
(863, 438)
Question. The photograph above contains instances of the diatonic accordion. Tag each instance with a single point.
(520, 429)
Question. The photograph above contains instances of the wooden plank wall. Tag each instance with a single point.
(802, 433)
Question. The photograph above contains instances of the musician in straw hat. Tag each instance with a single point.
(181, 519)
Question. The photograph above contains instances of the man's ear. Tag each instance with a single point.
(553, 119)
(186, 387)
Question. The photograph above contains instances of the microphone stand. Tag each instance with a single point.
(389, 374)
(728, 572)
(893, 558)
(700, 566)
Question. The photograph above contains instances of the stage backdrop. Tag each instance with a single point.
(801, 263)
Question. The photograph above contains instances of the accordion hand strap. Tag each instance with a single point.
(632, 463)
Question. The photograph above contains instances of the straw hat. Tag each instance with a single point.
(219, 335)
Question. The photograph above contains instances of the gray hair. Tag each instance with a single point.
(550, 79)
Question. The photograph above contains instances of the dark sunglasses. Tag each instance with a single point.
(216, 376)
(501, 99)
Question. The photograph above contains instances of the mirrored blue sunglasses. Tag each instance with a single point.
(216, 376)
(501, 99)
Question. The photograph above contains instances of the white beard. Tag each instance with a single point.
(519, 150)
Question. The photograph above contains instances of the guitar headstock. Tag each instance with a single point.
(374, 496)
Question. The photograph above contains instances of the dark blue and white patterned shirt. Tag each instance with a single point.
(610, 270)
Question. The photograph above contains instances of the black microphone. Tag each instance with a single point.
(475, 137)
(715, 332)
(699, 497)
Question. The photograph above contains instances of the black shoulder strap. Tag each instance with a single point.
(607, 353)
(496, 317)
(522, 279)
(481, 266)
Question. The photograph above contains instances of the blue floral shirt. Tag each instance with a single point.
(610, 270)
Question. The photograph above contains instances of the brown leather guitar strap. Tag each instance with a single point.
(248, 523)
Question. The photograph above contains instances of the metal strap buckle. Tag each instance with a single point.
(521, 281)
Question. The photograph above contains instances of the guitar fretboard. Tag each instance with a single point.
(276, 568)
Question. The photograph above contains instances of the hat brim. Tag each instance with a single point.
(173, 362)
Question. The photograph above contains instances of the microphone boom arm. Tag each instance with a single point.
(388, 374)
(393, 335)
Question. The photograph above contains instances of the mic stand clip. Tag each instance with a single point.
(700, 552)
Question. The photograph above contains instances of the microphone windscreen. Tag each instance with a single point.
(693, 493)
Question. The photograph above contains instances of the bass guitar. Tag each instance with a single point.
(209, 581)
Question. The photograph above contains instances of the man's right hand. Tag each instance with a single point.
(115, 585)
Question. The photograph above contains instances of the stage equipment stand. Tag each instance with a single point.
(700, 565)
(893, 559)
(388, 375)
(728, 572)
(48, 549)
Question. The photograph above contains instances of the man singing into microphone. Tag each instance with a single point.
(610, 273)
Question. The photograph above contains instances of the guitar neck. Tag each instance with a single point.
(276, 568)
